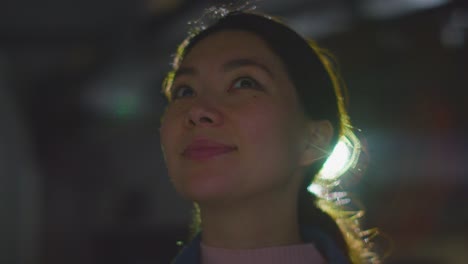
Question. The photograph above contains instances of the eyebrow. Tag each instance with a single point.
(238, 63)
(228, 66)
(185, 71)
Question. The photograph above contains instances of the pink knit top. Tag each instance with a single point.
(297, 254)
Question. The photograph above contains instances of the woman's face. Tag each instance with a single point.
(233, 127)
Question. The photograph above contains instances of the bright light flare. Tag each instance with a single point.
(344, 155)
(336, 162)
(316, 189)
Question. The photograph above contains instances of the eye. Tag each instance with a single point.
(245, 82)
(182, 91)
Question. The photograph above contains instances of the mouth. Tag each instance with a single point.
(206, 149)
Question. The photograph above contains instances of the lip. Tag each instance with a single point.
(202, 149)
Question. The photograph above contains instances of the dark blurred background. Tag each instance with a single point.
(82, 178)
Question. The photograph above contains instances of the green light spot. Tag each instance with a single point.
(126, 106)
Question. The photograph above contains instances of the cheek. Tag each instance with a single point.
(268, 160)
(270, 128)
(165, 131)
(169, 136)
(169, 132)
(171, 125)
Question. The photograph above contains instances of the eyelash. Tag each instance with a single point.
(256, 85)
(177, 89)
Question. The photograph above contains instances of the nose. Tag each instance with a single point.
(205, 114)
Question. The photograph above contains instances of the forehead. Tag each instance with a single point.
(225, 45)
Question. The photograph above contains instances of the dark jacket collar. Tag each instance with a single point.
(190, 254)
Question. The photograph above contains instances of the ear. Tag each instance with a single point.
(316, 143)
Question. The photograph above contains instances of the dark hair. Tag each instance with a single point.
(320, 91)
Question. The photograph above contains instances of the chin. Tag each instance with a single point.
(206, 188)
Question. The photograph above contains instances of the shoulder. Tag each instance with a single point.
(189, 254)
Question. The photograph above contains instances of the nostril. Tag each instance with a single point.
(201, 115)
(206, 119)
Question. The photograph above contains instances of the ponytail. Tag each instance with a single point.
(310, 215)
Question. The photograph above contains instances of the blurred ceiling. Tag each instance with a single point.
(81, 18)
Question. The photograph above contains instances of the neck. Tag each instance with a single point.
(264, 221)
